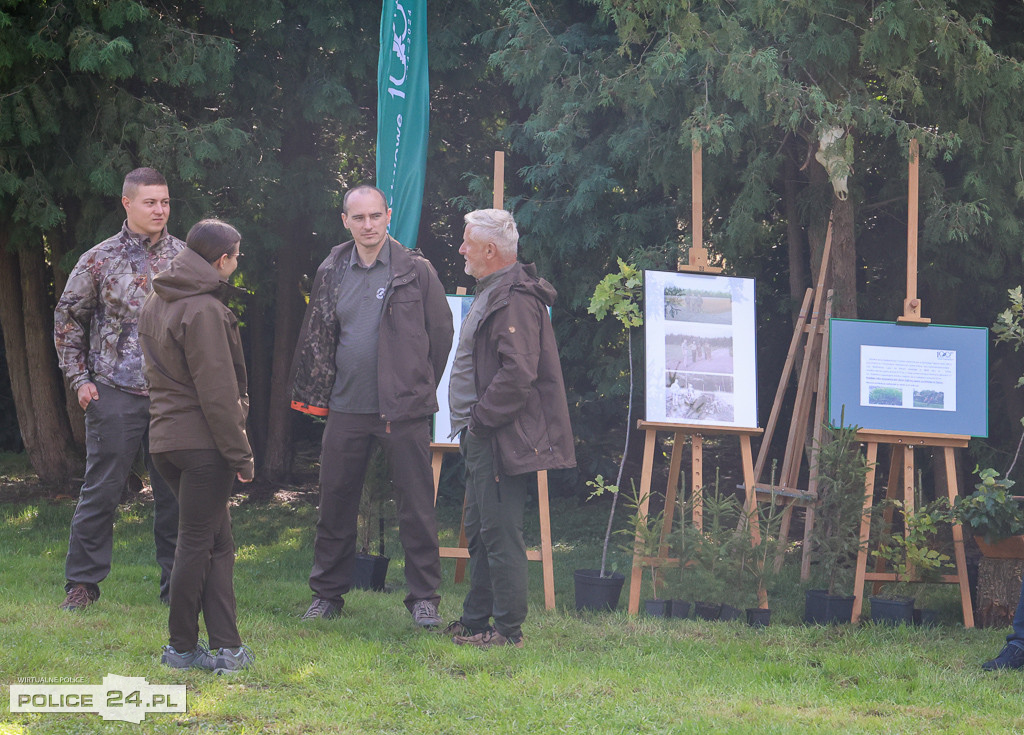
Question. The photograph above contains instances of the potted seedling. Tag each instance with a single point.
(371, 570)
(995, 517)
(911, 555)
(716, 552)
(643, 533)
(617, 294)
(756, 566)
(841, 470)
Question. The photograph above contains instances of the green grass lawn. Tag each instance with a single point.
(372, 671)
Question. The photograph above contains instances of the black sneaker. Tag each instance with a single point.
(231, 660)
(79, 597)
(1011, 657)
(321, 608)
(198, 658)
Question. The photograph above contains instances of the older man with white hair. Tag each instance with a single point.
(508, 407)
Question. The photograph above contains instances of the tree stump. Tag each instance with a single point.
(998, 591)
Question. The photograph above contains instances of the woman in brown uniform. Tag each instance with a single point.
(198, 407)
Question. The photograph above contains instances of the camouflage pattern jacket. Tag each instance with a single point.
(415, 337)
(95, 324)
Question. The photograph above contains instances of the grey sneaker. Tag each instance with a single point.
(321, 608)
(424, 613)
(230, 660)
(487, 639)
(79, 597)
(198, 658)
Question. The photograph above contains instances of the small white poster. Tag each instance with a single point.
(700, 349)
(908, 377)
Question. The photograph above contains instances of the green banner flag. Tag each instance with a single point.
(403, 113)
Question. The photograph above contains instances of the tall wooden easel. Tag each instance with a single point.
(438, 450)
(903, 444)
(810, 336)
(696, 263)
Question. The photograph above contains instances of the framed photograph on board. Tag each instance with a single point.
(442, 419)
(701, 355)
(917, 379)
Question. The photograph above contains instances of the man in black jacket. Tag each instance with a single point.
(373, 346)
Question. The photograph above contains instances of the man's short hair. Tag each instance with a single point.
(363, 187)
(497, 226)
(141, 177)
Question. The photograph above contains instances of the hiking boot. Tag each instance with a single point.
(487, 639)
(456, 628)
(231, 660)
(198, 658)
(321, 608)
(424, 613)
(1011, 657)
(79, 597)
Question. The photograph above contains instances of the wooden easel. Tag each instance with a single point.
(902, 466)
(461, 552)
(903, 444)
(438, 450)
(697, 263)
(680, 434)
(810, 335)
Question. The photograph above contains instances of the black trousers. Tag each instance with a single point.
(347, 444)
(202, 579)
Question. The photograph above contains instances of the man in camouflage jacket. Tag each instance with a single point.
(96, 335)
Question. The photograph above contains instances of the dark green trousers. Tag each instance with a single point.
(497, 553)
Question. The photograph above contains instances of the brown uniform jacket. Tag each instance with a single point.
(413, 344)
(522, 403)
(194, 364)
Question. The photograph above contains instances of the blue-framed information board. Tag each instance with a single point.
(898, 377)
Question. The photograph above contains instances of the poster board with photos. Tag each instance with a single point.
(700, 339)
(907, 378)
(459, 306)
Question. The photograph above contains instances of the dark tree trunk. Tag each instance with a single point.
(62, 243)
(998, 591)
(795, 238)
(288, 320)
(35, 381)
(844, 260)
(260, 357)
(843, 257)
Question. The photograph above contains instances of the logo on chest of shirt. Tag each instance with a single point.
(381, 292)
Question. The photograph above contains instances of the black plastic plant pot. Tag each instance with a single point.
(821, 608)
(706, 610)
(758, 617)
(594, 592)
(892, 611)
(814, 606)
(371, 572)
(680, 609)
(658, 608)
(728, 612)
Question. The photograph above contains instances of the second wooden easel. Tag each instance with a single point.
(696, 263)
(810, 336)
